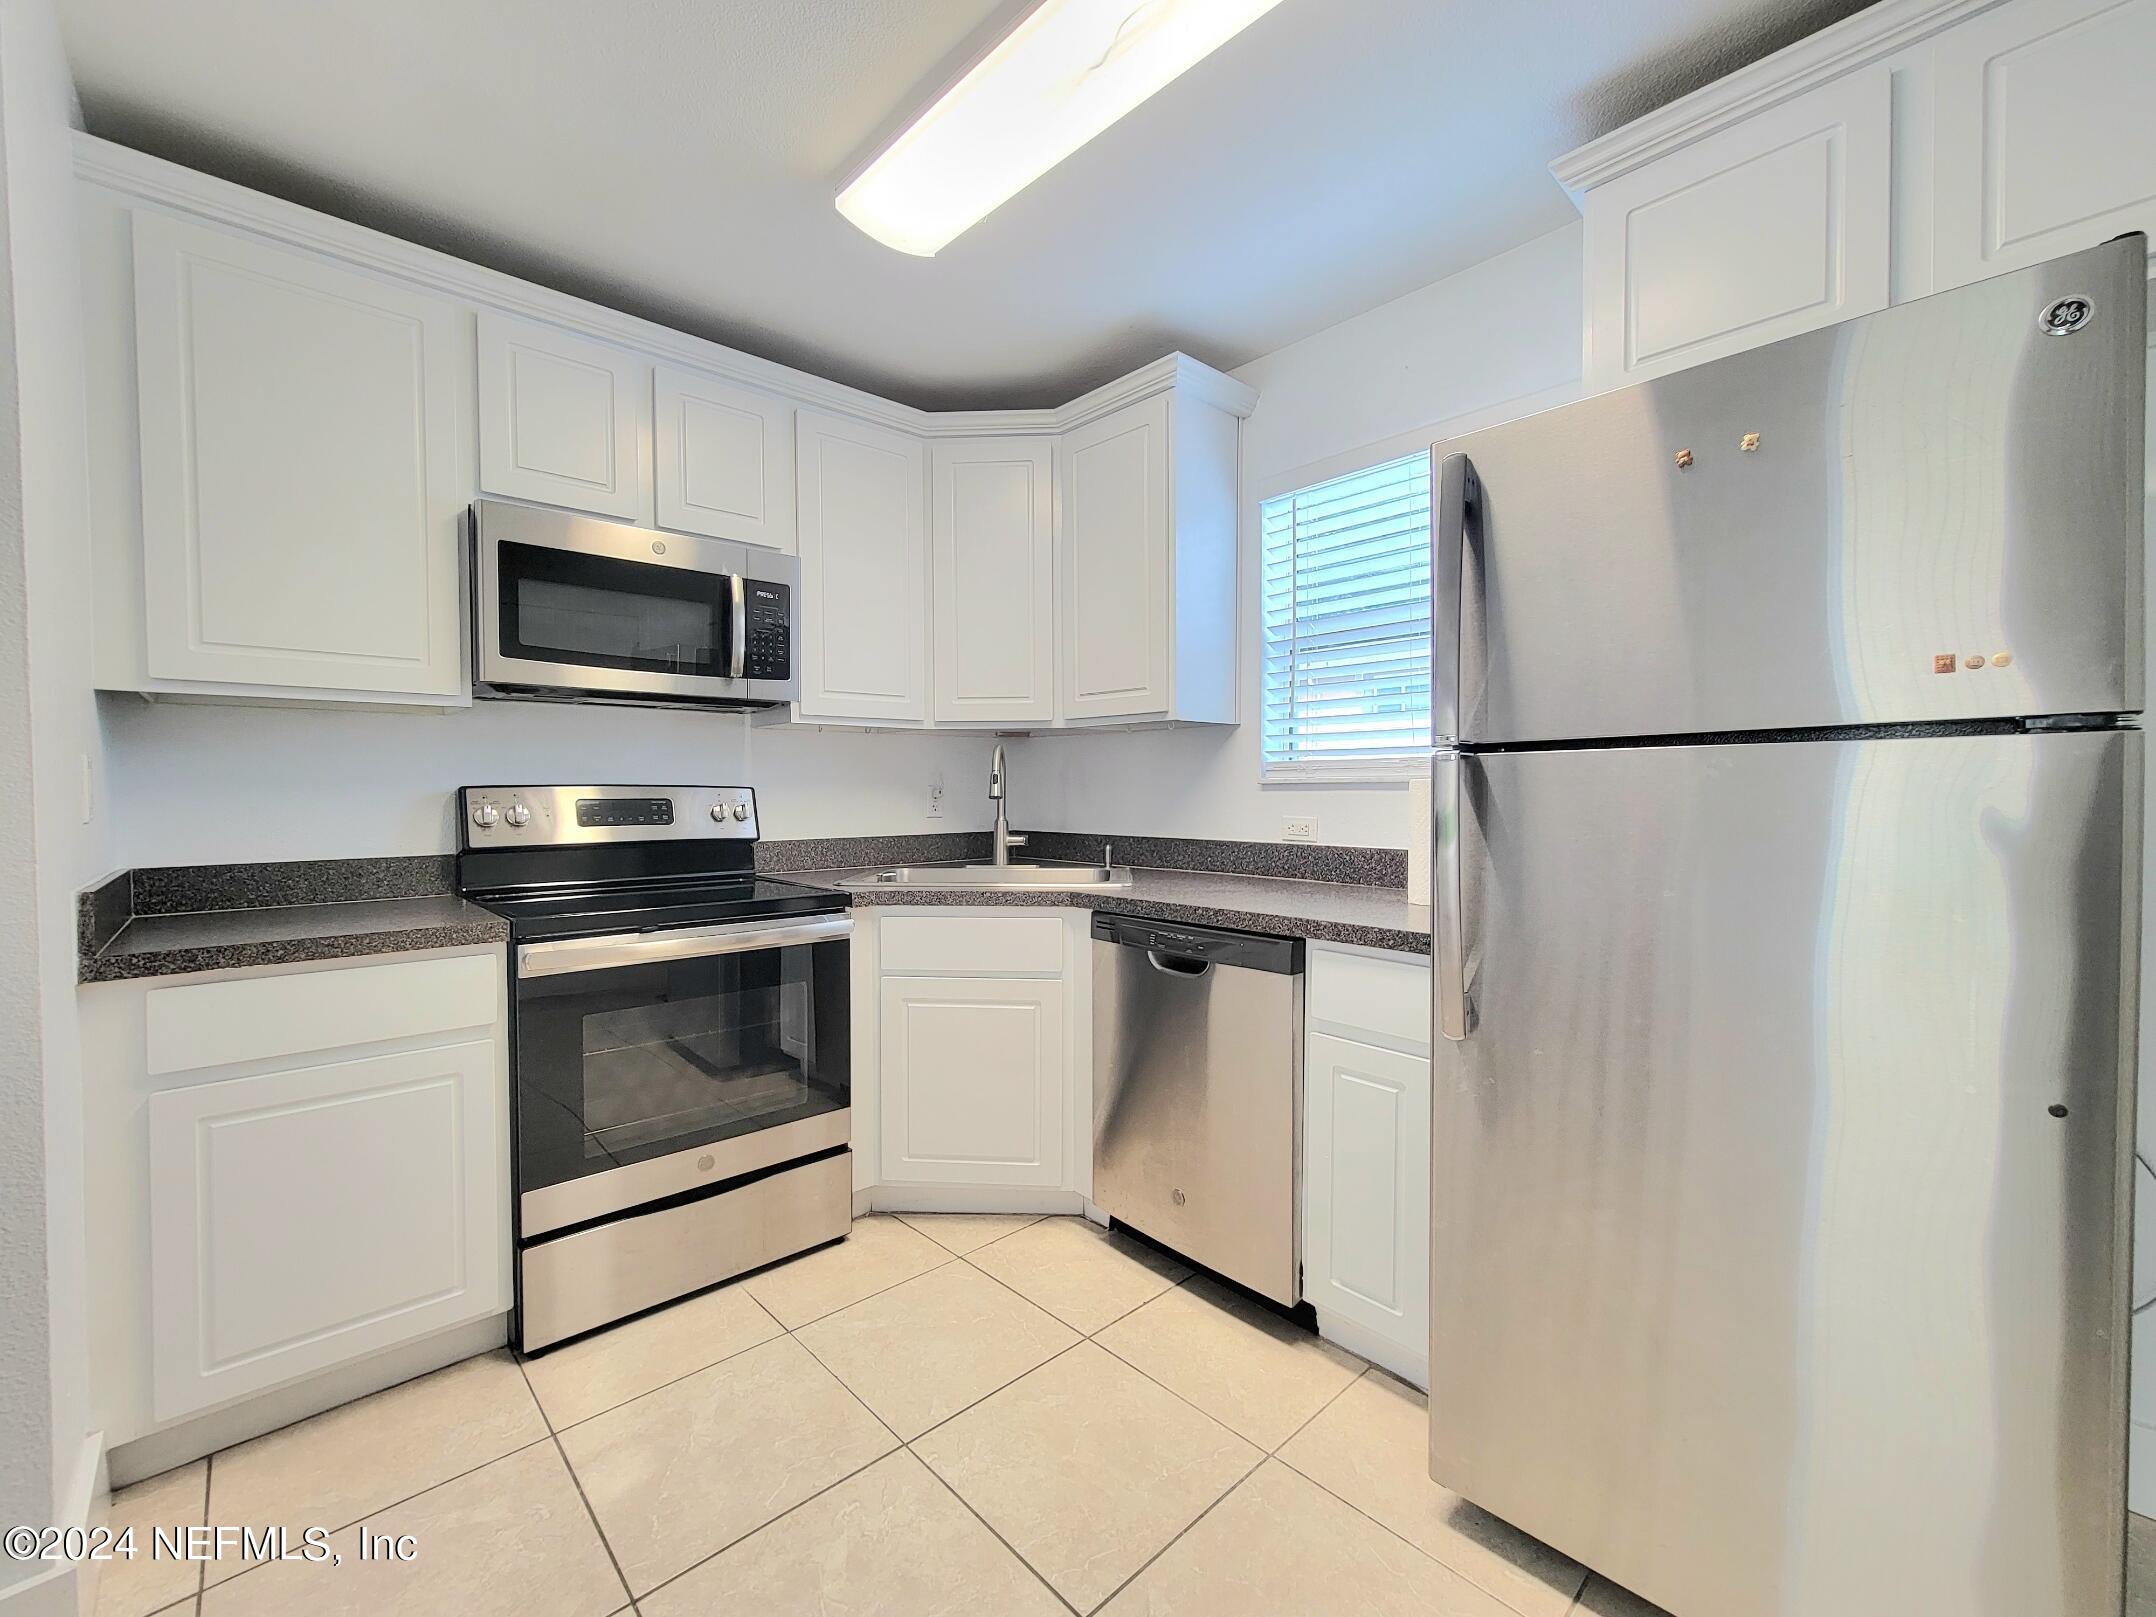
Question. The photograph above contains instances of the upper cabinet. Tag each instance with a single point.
(2045, 133)
(992, 537)
(283, 412)
(1772, 227)
(862, 497)
(1915, 146)
(561, 419)
(723, 458)
(1146, 529)
(301, 440)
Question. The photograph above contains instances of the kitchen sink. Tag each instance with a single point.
(1041, 878)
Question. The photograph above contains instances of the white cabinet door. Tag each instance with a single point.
(863, 500)
(2044, 133)
(561, 419)
(303, 468)
(992, 528)
(723, 456)
(305, 1217)
(1771, 227)
(1113, 534)
(1366, 1197)
(972, 1080)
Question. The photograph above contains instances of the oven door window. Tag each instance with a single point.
(628, 1063)
(565, 607)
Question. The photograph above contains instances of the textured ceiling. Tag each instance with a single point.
(677, 158)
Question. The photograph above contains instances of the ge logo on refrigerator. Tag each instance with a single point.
(2065, 316)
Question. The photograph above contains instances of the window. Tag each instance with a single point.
(1347, 625)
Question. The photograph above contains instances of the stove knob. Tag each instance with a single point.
(718, 812)
(486, 816)
(741, 811)
(518, 814)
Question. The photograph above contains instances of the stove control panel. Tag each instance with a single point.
(547, 816)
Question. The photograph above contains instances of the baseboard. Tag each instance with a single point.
(67, 1588)
(972, 1199)
(1380, 1349)
(160, 1451)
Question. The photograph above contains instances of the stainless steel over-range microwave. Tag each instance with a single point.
(575, 609)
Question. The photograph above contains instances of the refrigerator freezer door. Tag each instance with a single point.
(1779, 1259)
(1801, 535)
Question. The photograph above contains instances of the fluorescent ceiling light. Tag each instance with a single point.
(1064, 74)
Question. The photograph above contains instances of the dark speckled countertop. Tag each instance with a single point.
(1334, 912)
(165, 921)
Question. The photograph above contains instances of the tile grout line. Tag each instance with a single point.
(1263, 1456)
(202, 1572)
(378, 1509)
(577, 1483)
(989, 1527)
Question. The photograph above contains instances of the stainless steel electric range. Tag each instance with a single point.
(680, 1045)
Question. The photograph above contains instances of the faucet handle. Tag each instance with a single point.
(1011, 839)
(1107, 855)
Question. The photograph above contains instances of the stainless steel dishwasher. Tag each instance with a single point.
(1198, 1094)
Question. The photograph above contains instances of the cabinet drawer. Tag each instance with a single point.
(993, 945)
(1377, 1000)
(258, 1018)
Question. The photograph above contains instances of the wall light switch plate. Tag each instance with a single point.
(1299, 828)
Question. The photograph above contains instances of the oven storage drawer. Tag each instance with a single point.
(586, 1279)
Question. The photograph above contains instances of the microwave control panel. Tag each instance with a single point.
(769, 620)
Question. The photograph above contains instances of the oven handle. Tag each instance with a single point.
(565, 955)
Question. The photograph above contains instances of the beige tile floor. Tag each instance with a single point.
(952, 1414)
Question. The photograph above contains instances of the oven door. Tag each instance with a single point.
(571, 604)
(656, 1063)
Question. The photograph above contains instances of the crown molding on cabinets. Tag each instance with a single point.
(182, 190)
(1879, 31)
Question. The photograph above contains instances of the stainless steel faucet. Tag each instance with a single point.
(1005, 838)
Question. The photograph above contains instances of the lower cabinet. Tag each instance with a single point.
(319, 1172)
(974, 1080)
(1366, 1198)
(1366, 1156)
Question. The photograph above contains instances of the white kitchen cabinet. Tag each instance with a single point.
(992, 536)
(1366, 1155)
(1760, 230)
(1366, 1197)
(562, 419)
(973, 1080)
(862, 498)
(1146, 530)
(305, 1216)
(2044, 133)
(302, 432)
(723, 457)
(304, 1167)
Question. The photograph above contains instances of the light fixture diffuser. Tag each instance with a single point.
(1065, 73)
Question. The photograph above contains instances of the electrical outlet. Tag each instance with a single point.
(1299, 828)
(935, 799)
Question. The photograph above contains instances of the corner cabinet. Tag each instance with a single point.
(1146, 530)
(992, 534)
(1763, 230)
(301, 436)
(862, 499)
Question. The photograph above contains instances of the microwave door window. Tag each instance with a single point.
(564, 607)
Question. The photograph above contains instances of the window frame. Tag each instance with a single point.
(1375, 770)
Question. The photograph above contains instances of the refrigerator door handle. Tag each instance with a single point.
(1448, 940)
(1454, 481)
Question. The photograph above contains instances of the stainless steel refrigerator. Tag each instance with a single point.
(1786, 898)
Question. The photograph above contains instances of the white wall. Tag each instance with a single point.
(197, 783)
(1497, 340)
(45, 1461)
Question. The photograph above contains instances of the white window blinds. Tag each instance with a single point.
(1347, 624)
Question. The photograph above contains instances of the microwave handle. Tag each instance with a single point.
(740, 589)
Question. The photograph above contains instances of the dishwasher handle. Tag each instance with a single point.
(1177, 965)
